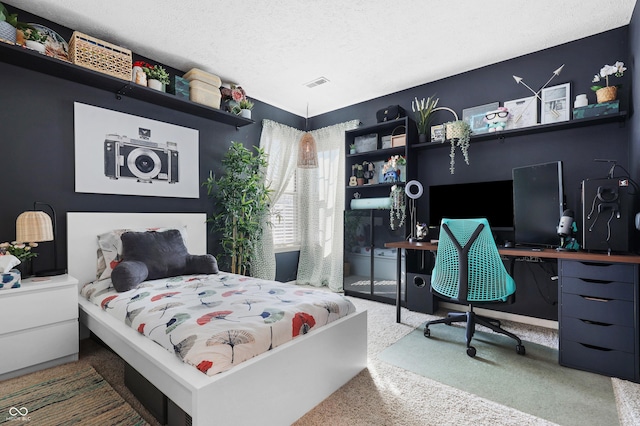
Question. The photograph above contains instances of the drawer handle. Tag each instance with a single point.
(597, 348)
(590, 280)
(595, 299)
(599, 265)
(601, 324)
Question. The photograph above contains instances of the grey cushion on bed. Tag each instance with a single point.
(152, 255)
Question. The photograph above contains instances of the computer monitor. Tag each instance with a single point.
(538, 203)
(492, 200)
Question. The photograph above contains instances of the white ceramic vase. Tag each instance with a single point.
(246, 113)
(155, 84)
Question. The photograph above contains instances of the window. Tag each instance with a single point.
(284, 219)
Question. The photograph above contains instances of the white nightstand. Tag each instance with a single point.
(38, 325)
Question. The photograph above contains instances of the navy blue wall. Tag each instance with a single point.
(37, 149)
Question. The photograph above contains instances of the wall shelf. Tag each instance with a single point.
(540, 128)
(28, 59)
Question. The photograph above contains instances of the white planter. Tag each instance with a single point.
(155, 84)
(246, 113)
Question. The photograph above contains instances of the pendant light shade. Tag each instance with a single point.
(307, 152)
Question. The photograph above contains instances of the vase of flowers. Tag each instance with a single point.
(423, 109)
(608, 93)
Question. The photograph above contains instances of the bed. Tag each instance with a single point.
(277, 387)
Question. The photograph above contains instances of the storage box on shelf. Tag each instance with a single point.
(95, 54)
(204, 88)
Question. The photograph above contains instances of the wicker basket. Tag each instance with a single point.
(98, 55)
(606, 94)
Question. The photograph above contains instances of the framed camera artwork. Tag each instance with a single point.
(555, 103)
(118, 153)
(474, 117)
(437, 133)
(522, 112)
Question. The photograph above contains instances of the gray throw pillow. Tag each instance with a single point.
(151, 255)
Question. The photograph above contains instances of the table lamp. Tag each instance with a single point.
(36, 226)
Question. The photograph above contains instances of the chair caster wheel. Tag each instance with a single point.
(427, 332)
(520, 349)
(471, 351)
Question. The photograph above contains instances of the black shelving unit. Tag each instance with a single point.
(28, 59)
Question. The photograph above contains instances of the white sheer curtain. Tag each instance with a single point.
(280, 143)
(320, 209)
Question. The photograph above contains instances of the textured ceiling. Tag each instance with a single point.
(365, 48)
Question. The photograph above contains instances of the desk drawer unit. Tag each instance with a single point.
(599, 318)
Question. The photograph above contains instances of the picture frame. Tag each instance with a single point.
(437, 134)
(555, 104)
(474, 117)
(523, 112)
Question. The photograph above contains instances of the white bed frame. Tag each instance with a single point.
(276, 388)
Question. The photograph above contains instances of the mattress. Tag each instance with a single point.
(214, 322)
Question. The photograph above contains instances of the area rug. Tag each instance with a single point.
(534, 383)
(64, 396)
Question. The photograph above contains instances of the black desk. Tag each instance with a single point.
(598, 308)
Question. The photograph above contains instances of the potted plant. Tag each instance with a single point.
(157, 77)
(423, 110)
(8, 24)
(352, 148)
(242, 108)
(459, 134)
(241, 205)
(34, 39)
(608, 93)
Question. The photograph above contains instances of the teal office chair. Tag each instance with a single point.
(469, 270)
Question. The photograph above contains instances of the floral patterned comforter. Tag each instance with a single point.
(214, 322)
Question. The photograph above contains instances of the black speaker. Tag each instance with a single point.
(608, 215)
(419, 296)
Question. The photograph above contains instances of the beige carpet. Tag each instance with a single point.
(386, 395)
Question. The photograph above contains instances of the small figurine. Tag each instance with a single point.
(497, 119)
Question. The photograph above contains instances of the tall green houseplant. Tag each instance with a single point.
(241, 203)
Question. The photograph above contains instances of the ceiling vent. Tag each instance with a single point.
(316, 82)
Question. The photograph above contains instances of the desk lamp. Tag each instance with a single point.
(36, 226)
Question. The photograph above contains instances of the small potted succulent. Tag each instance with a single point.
(352, 148)
(157, 77)
(242, 108)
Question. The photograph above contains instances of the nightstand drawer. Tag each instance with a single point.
(598, 271)
(22, 310)
(609, 311)
(38, 345)
(609, 336)
(598, 360)
(598, 288)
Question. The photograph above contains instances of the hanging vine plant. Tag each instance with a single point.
(241, 197)
(459, 134)
(398, 211)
